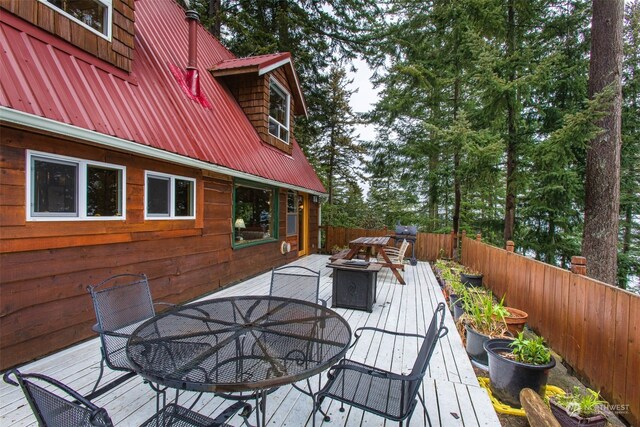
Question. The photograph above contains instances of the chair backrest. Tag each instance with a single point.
(58, 405)
(295, 282)
(435, 331)
(402, 251)
(121, 302)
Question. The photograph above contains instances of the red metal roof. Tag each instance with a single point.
(46, 76)
(260, 61)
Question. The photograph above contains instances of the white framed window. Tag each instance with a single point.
(169, 196)
(279, 102)
(64, 188)
(95, 15)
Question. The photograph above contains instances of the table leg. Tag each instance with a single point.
(353, 251)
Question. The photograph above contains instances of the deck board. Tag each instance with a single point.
(450, 389)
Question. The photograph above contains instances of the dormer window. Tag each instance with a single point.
(95, 15)
(279, 101)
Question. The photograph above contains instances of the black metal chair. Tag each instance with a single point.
(121, 303)
(296, 282)
(66, 407)
(384, 393)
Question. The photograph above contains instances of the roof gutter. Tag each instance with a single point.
(20, 118)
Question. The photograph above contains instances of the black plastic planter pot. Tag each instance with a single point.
(453, 298)
(508, 377)
(458, 309)
(475, 346)
(472, 280)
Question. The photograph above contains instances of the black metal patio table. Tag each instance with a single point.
(238, 344)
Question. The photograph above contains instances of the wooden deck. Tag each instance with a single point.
(451, 390)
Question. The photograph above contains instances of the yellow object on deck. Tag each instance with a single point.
(502, 408)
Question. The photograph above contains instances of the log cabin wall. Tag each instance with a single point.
(118, 51)
(45, 267)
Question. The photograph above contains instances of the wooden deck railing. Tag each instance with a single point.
(593, 326)
(428, 247)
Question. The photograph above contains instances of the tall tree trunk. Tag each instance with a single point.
(510, 202)
(602, 183)
(214, 12)
(457, 198)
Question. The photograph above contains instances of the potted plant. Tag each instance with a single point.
(515, 320)
(483, 319)
(578, 409)
(471, 278)
(518, 364)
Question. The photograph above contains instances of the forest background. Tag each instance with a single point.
(482, 120)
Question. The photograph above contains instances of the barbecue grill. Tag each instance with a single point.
(410, 233)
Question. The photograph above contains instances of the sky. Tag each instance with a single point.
(363, 100)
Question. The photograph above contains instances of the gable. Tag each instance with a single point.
(115, 44)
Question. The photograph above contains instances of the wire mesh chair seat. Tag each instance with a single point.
(381, 392)
(121, 302)
(66, 407)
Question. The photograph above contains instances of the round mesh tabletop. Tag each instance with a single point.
(238, 344)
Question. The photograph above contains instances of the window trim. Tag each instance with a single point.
(81, 189)
(287, 97)
(106, 3)
(172, 196)
(275, 235)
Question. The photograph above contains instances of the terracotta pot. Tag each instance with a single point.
(567, 420)
(516, 320)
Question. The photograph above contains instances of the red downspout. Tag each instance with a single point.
(192, 77)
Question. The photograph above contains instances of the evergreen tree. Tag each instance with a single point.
(629, 254)
(602, 179)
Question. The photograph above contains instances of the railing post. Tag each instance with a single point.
(510, 246)
(579, 265)
(479, 237)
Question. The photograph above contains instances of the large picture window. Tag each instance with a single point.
(278, 112)
(255, 214)
(169, 196)
(65, 188)
(95, 15)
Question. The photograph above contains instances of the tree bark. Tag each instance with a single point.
(214, 13)
(510, 202)
(602, 183)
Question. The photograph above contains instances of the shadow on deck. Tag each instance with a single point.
(450, 389)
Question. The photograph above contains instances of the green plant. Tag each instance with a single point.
(579, 404)
(483, 314)
(531, 351)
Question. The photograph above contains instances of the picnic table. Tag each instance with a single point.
(368, 244)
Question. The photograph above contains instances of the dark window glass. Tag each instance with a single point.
(104, 191)
(184, 197)
(255, 207)
(292, 213)
(92, 13)
(158, 195)
(54, 187)
(277, 104)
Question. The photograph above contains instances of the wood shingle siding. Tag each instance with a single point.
(118, 51)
